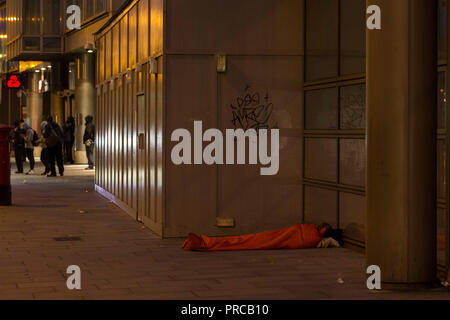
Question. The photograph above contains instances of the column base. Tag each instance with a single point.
(394, 286)
(80, 157)
(5, 196)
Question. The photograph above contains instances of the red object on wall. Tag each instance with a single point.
(13, 82)
(5, 167)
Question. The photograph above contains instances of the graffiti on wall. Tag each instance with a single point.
(252, 111)
(353, 107)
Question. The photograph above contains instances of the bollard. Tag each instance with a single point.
(5, 167)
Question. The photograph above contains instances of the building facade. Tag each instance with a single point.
(56, 63)
(10, 109)
(163, 64)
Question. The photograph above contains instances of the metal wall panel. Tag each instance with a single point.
(160, 136)
(235, 26)
(116, 50)
(109, 135)
(185, 86)
(191, 189)
(143, 30)
(321, 159)
(321, 205)
(273, 84)
(156, 27)
(132, 37)
(121, 138)
(108, 53)
(124, 44)
(115, 146)
(152, 147)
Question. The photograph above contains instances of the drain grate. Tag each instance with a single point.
(67, 239)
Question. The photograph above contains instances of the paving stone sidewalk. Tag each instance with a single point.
(121, 259)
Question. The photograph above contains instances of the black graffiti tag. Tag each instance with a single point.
(250, 113)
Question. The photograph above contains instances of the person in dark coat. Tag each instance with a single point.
(16, 137)
(69, 139)
(28, 135)
(89, 141)
(44, 153)
(54, 140)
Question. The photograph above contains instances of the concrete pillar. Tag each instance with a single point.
(58, 82)
(34, 101)
(401, 130)
(85, 100)
(57, 110)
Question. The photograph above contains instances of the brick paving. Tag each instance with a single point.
(121, 259)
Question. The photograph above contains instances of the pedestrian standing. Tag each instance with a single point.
(89, 141)
(29, 136)
(54, 139)
(69, 139)
(44, 153)
(18, 145)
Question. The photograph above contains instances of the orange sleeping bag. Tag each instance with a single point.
(296, 237)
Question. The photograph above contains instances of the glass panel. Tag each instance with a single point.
(442, 226)
(352, 216)
(321, 39)
(31, 44)
(320, 206)
(353, 162)
(124, 43)
(3, 21)
(51, 17)
(321, 109)
(52, 44)
(108, 50)
(321, 159)
(442, 100)
(143, 30)
(100, 5)
(101, 58)
(132, 37)
(72, 73)
(140, 76)
(441, 169)
(3, 40)
(442, 30)
(116, 50)
(353, 37)
(32, 17)
(88, 9)
(353, 107)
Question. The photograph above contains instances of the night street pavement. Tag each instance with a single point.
(121, 259)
